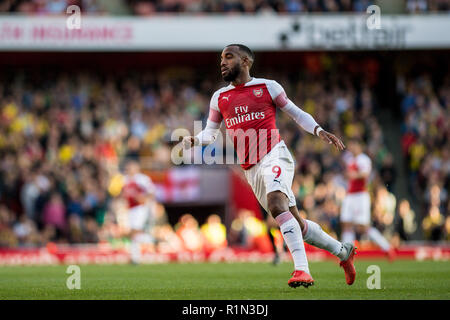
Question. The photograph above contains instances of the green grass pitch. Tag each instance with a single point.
(223, 281)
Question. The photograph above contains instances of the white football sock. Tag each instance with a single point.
(378, 238)
(135, 251)
(135, 248)
(315, 236)
(292, 234)
(348, 236)
(143, 238)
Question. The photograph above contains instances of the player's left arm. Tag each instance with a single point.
(303, 119)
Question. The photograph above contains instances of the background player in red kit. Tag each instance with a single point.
(355, 210)
(247, 106)
(138, 191)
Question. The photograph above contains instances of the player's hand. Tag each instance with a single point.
(190, 141)
(332, 139)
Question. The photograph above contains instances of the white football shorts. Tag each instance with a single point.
(138, 217)
(356, 208)
(274, 172)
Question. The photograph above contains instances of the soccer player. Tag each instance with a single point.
(138, 191)
(355, 210)
(248, 107)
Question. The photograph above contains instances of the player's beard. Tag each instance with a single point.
(232, 74)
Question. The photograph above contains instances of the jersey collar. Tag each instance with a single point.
(243, 84)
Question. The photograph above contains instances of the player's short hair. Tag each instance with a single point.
(355, 140)
(244, 48)
(131, 162)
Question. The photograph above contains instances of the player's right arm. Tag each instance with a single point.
(209, 134)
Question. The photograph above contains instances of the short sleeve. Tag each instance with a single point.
(277, 93)
(214, 102)
(275, 89)
(214, 112)
(364, 164)
(146, 183)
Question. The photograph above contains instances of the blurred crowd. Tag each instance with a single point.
(151, 7)
(142, 7)
(64, 137)
(426, 147)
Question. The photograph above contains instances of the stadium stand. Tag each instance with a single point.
(425, 141)
(152, 7)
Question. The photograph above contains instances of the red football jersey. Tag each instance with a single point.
(134, 186)
(248, 111)
(362, 164)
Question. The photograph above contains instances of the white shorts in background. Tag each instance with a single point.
(138, 217)
(356, 208)
(274, 172)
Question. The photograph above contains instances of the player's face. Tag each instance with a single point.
(132, 168)
(354, 148)
(230, 63)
